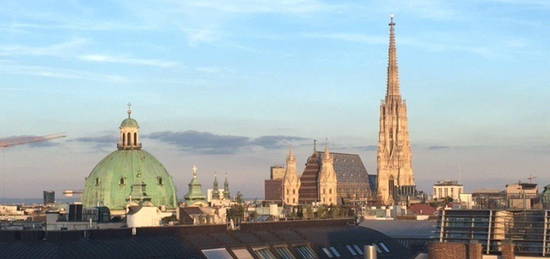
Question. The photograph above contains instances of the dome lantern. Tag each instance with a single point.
(129, 133)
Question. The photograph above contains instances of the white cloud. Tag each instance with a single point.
(126, 60)
(58, 49)
(352, 37)
(60, 73)
(196, 37)
(263, 6)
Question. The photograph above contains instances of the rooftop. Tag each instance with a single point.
(324, 238)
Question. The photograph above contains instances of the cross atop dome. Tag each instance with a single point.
(391, 20)
(129, 109)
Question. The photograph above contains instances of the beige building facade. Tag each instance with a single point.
(328, 181)
(291, 181)
(448, 189)
(395, 172)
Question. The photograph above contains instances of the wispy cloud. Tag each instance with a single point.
(428, 45)
(196, 37)
(263, 6)
(29, 140)
(439, 147)
(352, 37)
(210, 143)
(98, 142)
(58, 49)
(526, 3)
(50, 72)
(129, 61)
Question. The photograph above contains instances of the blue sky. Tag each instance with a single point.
(474, 73)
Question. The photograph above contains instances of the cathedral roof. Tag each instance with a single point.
(348, 167)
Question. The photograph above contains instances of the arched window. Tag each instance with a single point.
(324, 190)
(160, 180)
(329, 191)
(97, 181)
(123, 138)
(122, 181)
(293, 200)
(293, 191)
(286, 191)
(135, 138)
(128, 141)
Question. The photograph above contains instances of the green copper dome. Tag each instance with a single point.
(111, 182)
(129, 123)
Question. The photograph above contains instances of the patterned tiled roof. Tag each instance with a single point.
(353, 178)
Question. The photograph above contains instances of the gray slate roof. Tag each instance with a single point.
(188, 241)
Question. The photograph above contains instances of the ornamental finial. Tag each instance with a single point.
(194, 170)
(129, 109)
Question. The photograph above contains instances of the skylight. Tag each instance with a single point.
(216, 253)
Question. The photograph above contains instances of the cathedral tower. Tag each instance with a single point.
(395, 173)
(291, 181)
(327, 180)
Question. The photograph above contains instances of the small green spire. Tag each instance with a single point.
(215, 189)
(195, 189)
(226, 194)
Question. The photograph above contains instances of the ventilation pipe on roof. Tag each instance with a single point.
(370, 252)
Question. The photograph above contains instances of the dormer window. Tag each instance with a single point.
(122, 181)
(160, 180)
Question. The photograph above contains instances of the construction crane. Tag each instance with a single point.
(20, 140)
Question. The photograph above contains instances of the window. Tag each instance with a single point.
(123, 138)
(293, 191)
(287, 192)
(128, 139)
(284, 253)
(293, 200)
(358, 249)
(327, 252)
(160, 180)
(351, 250)
(218, 253)
(324, 190)
(97, 181)
(122, 181)
(329, 191)
(306, 252)
(381, 244)
(135, 138)
(242, 253)
(264, 253)
(334, 251)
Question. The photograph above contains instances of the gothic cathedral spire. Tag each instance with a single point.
(395, 174)
(393, 70)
